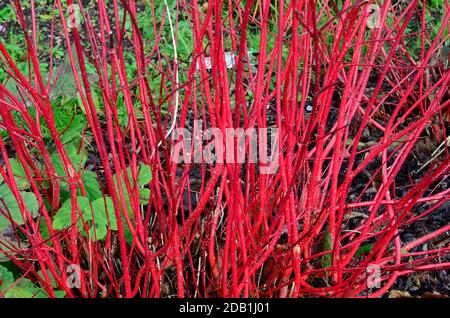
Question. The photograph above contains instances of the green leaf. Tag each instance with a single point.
(325, 261)
(104, 211)
(50, 276)
(126, 195)
(96, 219)
(93, 190)
(24, 288)
(45, 233)
(6, 279)
(10, 204)
(19, 174)
(29, 198)
(72, 131)
(364, 249)
(58, 293)
(145, 175)
(143, 178)
(144, 195)
(77, 159)
(63, 217)
(95, 99)
(128, 235)
(9, 248)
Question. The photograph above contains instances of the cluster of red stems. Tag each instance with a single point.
(247, 234)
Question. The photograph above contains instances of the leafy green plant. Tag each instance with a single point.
(22, 288)
(9, 206)
(143, 178)
(96, 211)
(98, 218)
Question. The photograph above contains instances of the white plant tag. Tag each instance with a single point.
(229, 60)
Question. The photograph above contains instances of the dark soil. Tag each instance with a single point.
(420, 283)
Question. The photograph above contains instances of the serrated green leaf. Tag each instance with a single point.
(9, 248)
(143, 178)
(126, 195)
(63, 217)
(145, 175)
(10, 204)
(24, 288)
(93, 190)
(97, 218)
(58, 293)
(73, 130)
(77, 159)
(19, 174)
(103, 211)
(6, 279)
(30, 201)
(50, 276)
(95, 99)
